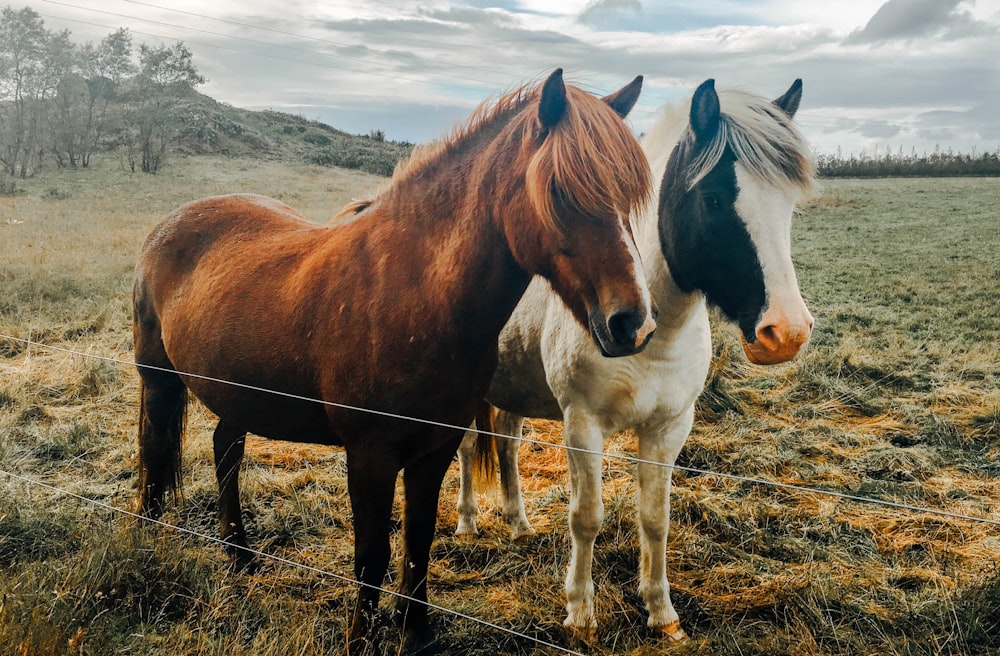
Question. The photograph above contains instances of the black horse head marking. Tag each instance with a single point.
(708, 244)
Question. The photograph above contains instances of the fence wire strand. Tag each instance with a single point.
(286, 561)
(565, 447)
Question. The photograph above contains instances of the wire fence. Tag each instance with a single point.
(437, 607)
(462, 83)
(565, 447)
(284, 561)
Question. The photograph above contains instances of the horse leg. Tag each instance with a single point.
(586, 512)
(467, 506)
(371, 483)
(228, 443)
(422, 485)
(659, 443)
(510, 479)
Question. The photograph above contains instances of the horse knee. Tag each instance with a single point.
(585, 521)
(653, 532)
(467, 519)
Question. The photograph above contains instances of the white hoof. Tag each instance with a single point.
(672, 631)
(467, 528)
(522, 531)
(582, 629)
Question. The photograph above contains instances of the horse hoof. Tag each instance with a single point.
(467, 531)
(586, 633)
(522, 533)
(422, 642)
(672, 631)
(248, 565)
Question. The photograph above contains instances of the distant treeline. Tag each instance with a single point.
(899, 165)
(61, 103)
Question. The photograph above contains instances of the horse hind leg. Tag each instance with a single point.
(507, 423)
(228, 443)
(467, 507)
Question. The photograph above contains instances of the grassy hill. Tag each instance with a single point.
(210, 127)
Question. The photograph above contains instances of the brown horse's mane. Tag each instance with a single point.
(485, 114)
(590, 157)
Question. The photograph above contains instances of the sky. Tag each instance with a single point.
(902, 75)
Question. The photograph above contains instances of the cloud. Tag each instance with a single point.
(878, 129)
(979, 120)
(600, 13)
(911, 19)
(413, 69)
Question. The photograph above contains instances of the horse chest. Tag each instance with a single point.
(653, 387)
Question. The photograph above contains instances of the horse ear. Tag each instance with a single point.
(552, 105)
(623, 100)
(705, 113)
(789, 103)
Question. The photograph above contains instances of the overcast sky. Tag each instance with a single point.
(877, 73)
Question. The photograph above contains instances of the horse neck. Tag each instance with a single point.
(455, 240)
(675, 305)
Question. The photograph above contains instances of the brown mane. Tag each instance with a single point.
(354, 207)
(485, 114)
(577, 155)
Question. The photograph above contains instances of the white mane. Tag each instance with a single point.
(762, 136)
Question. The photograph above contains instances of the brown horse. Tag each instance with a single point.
(397, 309)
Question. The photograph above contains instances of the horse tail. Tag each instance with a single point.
(162, 419)
(486, 458)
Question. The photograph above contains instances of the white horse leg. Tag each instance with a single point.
(467, 506)
(586, 512)
(661, 443)
(510, 479)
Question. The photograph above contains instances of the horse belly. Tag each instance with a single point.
(261, 407)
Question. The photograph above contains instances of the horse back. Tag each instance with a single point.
(206, 225)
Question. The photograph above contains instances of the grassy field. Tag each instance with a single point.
(897, 398)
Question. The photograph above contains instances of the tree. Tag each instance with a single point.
(85, 98)
(166, 75)
(25, 83)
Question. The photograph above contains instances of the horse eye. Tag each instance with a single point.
(711, 201)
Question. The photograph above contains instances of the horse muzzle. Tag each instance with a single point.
(625, 332)
(778, 338)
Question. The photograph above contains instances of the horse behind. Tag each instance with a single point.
(396, 310)
(731, 167)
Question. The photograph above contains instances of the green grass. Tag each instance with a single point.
(897, 398)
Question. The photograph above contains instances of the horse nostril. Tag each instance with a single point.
(768, 336)
(624, 325)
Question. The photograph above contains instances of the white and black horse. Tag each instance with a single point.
(732, 168)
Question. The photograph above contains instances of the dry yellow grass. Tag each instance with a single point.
(898, 398)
